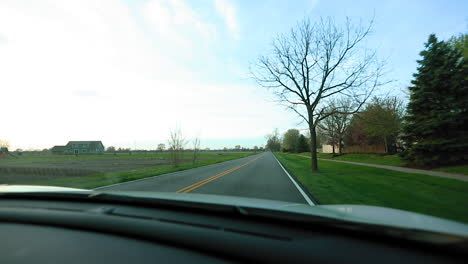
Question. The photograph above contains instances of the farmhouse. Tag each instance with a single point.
(58, 149)
(79, 147)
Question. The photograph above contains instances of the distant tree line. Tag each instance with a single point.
(295, 142)
(273, 141)
(291, 141)
(379, 123)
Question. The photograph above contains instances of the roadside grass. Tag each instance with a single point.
(392, 160)
(463, 169)
(340, 183)
(103, 179)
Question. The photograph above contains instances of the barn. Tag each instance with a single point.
(79, 147)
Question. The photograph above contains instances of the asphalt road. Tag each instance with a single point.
(257, 176)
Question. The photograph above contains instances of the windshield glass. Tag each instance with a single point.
(311, 102)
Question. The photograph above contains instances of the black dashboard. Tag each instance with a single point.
(77, 231)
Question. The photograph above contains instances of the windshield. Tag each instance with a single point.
(310, 102)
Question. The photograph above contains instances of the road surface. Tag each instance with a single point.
(257, 176)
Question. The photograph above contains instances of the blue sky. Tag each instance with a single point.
(401, 28)
(126, 72)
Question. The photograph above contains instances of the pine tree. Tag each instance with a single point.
(436, 127)
(301, 145)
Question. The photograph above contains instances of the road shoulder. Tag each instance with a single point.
(310, 199)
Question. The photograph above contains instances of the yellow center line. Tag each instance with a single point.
(212, 178)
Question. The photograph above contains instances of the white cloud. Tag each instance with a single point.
(83, 70)
(227, 10)
(175, 22)
(86, 93)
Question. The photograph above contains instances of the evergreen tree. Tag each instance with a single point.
(301, 145)
(436, 125)
(460, 42)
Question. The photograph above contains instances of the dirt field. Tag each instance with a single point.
(91, 171)
(25, 173)
(46, 168)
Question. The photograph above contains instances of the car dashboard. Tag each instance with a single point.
(81, 231)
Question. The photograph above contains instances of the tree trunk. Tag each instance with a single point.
(313, 148)
(333, 148)
(386, 145)
(340, 146)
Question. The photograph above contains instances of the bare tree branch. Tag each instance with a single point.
(316, 63)
(176, 144)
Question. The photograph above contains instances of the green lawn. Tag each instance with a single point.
(102, 179)
(392, 160)
(463, 169)
(338, 183)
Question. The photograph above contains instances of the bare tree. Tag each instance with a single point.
(334, 126)
(315, 63)
(196, 148)
(176, 144)
(161, 147)
(327, 133)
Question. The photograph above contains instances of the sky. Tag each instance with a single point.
(129, 72)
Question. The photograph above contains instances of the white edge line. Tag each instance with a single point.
(306, 197)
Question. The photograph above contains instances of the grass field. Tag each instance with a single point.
(463, 169)
(392, 160)
(42, 158)
(338, 183)
(91, 171)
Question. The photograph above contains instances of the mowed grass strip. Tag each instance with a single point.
(103, 179)
(340, 183)
(391, 160)
(462, 169)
